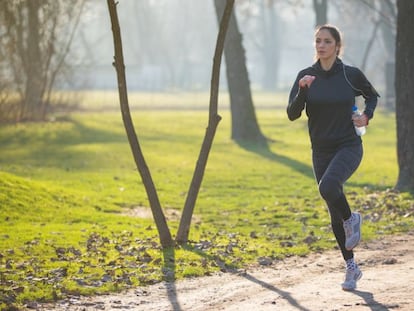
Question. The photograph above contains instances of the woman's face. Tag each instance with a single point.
(325, 45)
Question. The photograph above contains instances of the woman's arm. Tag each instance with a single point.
(368, 92)
(297, 98)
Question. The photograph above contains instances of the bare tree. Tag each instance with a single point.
(214, 119)
(379, 19)
(383, 15)
(160, 221)
(270, 44)
(260, 22)
(244, 125)
(404, 81)
(36, 39)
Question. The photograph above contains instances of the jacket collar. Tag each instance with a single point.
(337, 66)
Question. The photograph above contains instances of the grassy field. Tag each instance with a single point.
(74, 216)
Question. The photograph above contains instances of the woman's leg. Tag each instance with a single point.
(339, 232)
(331, 171)
(340, 168)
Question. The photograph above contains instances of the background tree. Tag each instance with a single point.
(244, 125)
(382, 16)
(321, 11)
(36, 36)
(404, 81)
(260, 22)
(270, 46)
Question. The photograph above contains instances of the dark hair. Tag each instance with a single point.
(336, 34)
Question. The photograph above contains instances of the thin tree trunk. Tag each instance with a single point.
(163, 230)
(369, 45)
(214, 119)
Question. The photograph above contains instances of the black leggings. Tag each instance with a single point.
(332, 170)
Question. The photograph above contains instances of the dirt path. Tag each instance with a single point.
(305, 284)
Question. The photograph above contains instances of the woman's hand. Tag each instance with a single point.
(360, 120)
(306, 81)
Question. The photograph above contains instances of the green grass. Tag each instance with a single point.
(66, 188)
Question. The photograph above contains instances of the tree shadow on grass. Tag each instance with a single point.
(169, 270)
(302, 168)
(62, 146)
(263, 150)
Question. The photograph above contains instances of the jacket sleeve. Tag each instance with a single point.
(297, 98)
(369, 93)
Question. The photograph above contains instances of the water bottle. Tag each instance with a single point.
(360, 130)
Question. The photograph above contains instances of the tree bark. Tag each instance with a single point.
(405, 95)
(244, 126)
(160, 221)
(214, 119)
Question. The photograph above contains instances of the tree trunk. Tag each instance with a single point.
(161, 223)
(321, 11)
(370, 43)
(214, 119)
(33, 94)
(404, 79)
(244, 126)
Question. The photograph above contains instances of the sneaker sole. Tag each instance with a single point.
(359, 238)
(348, 289)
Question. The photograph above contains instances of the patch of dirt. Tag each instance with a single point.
(145, 212)
(309, 283)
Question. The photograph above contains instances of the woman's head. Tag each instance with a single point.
(328, 41)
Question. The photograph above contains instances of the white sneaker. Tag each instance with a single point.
(353, 231)
(351, 277)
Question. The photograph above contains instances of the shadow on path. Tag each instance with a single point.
(172, 292)
(370, 301)
(168, 271)
(283, 294)
(169, 254)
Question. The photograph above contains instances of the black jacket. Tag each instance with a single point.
(328, 103)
